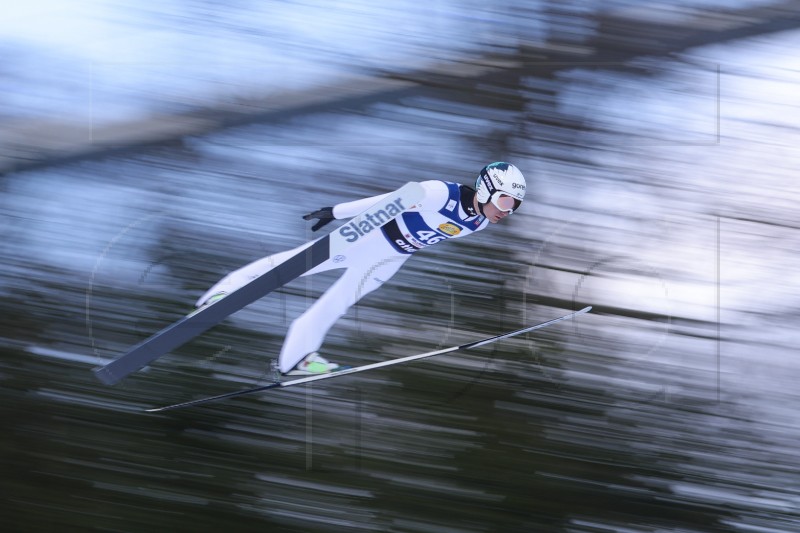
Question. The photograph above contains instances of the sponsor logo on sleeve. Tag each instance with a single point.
(371, 220)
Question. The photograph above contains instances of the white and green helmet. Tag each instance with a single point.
(502, 184)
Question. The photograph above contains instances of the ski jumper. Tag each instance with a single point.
(445, 212)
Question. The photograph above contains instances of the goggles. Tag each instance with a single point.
(507, 204)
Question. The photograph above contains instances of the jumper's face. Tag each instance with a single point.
(505, 203)
(493, 214)
(500, 206)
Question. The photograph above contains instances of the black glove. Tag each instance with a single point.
(325, 215)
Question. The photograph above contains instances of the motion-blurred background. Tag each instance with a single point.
(148, 148)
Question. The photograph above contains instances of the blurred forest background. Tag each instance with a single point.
(149, 148)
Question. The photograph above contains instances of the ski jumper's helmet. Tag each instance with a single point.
(502, 184)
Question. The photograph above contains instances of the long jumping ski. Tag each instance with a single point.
(372, 366)
(319, 251)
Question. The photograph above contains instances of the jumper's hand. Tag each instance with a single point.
(325, 215)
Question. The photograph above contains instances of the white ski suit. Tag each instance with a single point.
(445, 212)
